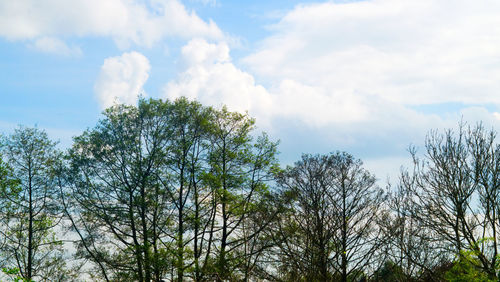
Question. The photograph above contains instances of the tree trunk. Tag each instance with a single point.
(30, 227)
(180, 234)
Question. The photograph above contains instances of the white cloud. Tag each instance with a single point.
(315, 106)
(56, 46)
(121, 79)
(387, 169)
(211, 78)
(474, 113)
(199, 51)
(396, 53)
(126, 21)
(352, 75)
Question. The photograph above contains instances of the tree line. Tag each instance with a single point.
(178, 191)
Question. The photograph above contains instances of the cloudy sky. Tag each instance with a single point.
(368, 77)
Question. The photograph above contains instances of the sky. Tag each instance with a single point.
(367, 77)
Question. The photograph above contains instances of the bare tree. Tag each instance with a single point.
(329, 229)
(412, 253)
(454, 190)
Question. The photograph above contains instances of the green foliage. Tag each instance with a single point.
(28, 204)
(389, 272)
(468, 267)
(168, 178)
(116, 176)
(8, 184)
(13, 274)
(179, 191)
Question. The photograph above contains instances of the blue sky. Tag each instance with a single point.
(368, 77)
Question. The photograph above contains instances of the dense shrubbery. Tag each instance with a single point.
(180, 191)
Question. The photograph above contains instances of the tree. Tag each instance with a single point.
(7, 180)
(239, 172)
(467, 267)
(455, 193)
(121, 208)
(329, 231)
(186, 162)
(359, 204)
(167, 187)
(390, 272)
(30, 208)
(7, 183)
(305, 231)
(409, 244)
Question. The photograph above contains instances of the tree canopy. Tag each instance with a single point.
(179, 191)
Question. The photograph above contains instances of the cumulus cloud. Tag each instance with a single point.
(126, 21)
(391, 52)
(356, 75)
(121, 79)
(211, 77)
(362, 64)
(56, 46)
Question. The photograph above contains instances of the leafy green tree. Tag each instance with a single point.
(186, 159)
(468, 266)
(257, 244)
(167, 188)
(120, 209)
(7, 183)
(31, 213)
(13, 274)
(240, 169)
(390, 272)
(466, 269)
(7, 180)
